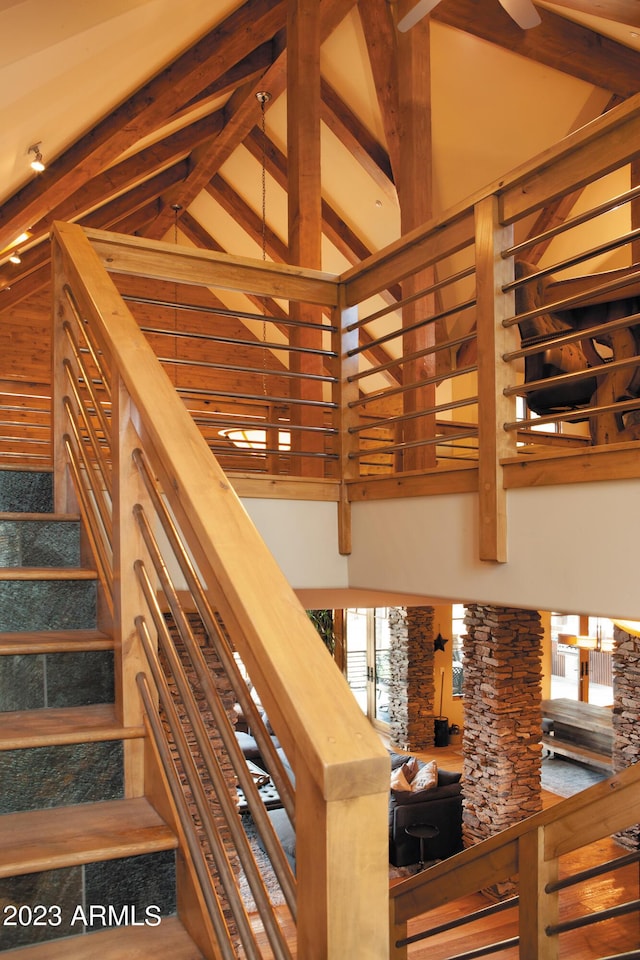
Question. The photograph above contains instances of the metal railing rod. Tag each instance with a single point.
(621, 910)
(401, 418)
(258, 371)
(239, 342)
(222, 312)
(256, 397)
(629, 955)
(408, 445)
(84, 327)
(204, 418)
(104, 562)
(575, 376)
(577, 300)
(416, 355)
(602, 868)
(214, 909)
(212, 764)
(99, 493)
(481, 914)
(572, 222)
(88, 381)
(403, 388)
(574, 416)
(85, 414)
(582, 257)
(222, 646)
(410, 328)
(267, 451)
(544, 341)
(405, 301)
(485, 951)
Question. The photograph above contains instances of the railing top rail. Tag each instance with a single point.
(269, 626)
(582, 155)
(160, 260)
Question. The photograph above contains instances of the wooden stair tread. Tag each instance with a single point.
(168, 941)
(61, 517)
(38, 840)
(47, 573)
(54, 641)
(39, 728)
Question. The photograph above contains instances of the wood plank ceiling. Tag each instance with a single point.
(150, 124)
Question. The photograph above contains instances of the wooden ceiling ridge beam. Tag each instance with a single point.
(556, 42)
(151, 105)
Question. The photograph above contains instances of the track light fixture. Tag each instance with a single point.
(37, 163)
(15, 257)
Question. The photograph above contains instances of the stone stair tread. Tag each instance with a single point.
(38, 840)
(168, 941)
(54, 641)
(47, 573)
(20, 729)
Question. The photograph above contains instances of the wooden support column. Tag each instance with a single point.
(415, 194)
(494, 409)
(305, 212)
(345, 392)
(538, 909)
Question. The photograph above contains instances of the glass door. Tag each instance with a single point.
(367, 656)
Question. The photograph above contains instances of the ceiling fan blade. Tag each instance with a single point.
(421, 9)
(523, 12)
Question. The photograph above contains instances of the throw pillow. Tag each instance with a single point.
(426, 777)
(399, 781)
(411, 768)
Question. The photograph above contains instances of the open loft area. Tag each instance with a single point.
(205, 138)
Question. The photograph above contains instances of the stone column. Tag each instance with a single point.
(626, 713)
(501, 742)
(411, 689)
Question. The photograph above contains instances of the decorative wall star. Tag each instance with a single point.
(439, 642)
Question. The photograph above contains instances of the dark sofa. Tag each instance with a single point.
(440, 806)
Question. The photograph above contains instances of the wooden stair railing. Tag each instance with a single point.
(526, 854)
(171, 540)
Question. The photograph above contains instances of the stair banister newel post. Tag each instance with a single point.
(65, 500)
(494, 409)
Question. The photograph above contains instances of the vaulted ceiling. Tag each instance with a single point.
(147, 116)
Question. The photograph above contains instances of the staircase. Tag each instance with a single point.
(84, 870)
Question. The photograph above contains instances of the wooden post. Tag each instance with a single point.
(65, 500)
(344, 392)
(538, 909)
(494, 409)
(415, 194)
(305, 211)
(342, 853)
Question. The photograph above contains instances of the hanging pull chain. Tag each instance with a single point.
(263, 97)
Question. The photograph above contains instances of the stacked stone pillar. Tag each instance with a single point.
(501, 744)
(411, 688)
(626, 713)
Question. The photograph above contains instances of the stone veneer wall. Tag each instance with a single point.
(501, 742)
(411, 688)
(626, 714)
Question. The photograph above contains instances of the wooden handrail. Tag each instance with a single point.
(340, 766)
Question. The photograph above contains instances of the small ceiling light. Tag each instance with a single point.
(15, 257)
(37, 163)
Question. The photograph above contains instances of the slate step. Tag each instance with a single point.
(37, 599)
(168, 941)
(35, 541)
(26, 491)
(55, 678)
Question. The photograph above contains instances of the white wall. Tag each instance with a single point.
(571, 548)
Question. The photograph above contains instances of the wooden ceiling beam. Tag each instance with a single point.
(624, 11)
(248, 219)
(556, 42)
(150, 106)
(381, 37)
(350, 130)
